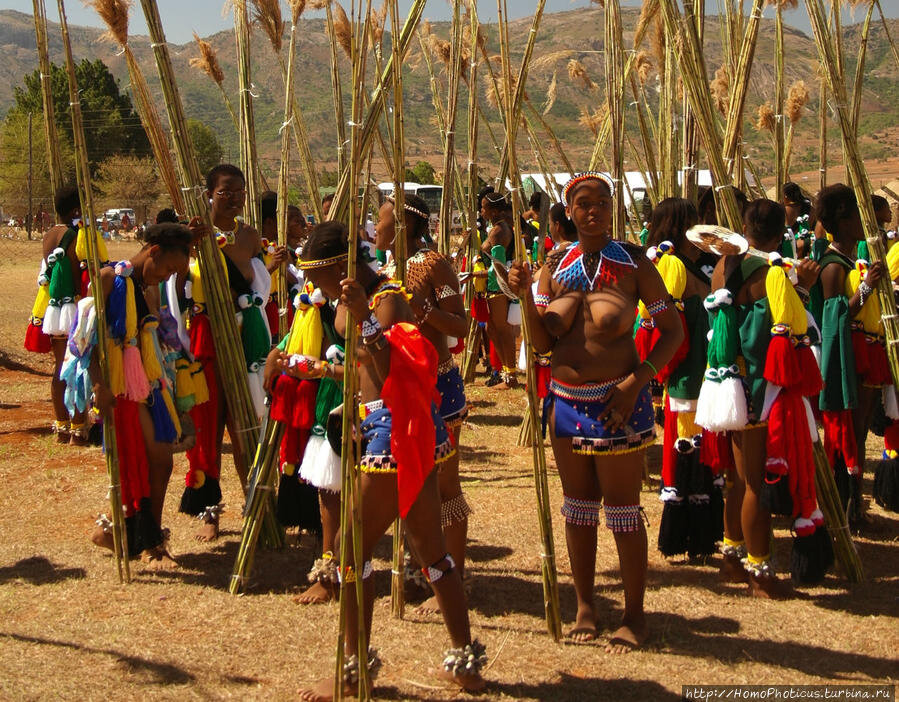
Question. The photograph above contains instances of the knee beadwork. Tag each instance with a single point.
(580, 512)
(623, 519)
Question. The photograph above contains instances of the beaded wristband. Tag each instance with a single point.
(541, 300)
(370, 327)
(657, 307)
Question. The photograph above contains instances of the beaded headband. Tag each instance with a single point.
(581, 177)
(409, 208)
(322, 262)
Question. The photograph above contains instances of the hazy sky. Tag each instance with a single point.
(182, 17)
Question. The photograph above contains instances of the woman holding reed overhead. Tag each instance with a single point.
(403, 437)
(599, 409)
(439, 310)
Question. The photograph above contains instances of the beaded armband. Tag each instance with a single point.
(444, 291)
(657, 307)
(541, 300)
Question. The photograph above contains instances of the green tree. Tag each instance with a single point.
(128, 181)
(206, 145)
(111, 125)
(424, 173)
(14, 161)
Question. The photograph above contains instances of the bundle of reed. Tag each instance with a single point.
(369, 125)
(835, 517)
(797, 99)
(83, 175)
(860, 65)
(648, 132)
(54, 161)
(268, 15)
(690, 141)
(336, 87)
(779, 97)
(614, 56)
(231, 363)
(115, 14)
(886, 31)
(449, 151)
(693, 74)
(248, 161)
(516, 96)
(647, 12)
(858, 177)
(260, 492)
(351, 494)
(397, 577)
(822, 133)
(739, 87)
(454, 184)
(669, 185)
(208, 62)
(511, 120)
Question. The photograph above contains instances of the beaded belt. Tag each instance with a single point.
(585, 392)
(370, 408)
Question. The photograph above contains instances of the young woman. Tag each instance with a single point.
(798, 209)
(54, 309)
(600, 411)
(743, 307)
(500, 246)
(402, 437)
(139, 397)
(250, 284)
(440, 314)
(847, 401)
(691, 488)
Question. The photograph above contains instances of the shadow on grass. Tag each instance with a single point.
(39, 570)
(563, 688)
(9, 364)
(161, 673)
(273, 571)
(32, 431)
(711, 638)
(494, 420)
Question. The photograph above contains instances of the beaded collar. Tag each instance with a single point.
(591, 271)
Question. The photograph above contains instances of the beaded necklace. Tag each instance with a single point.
(589, 271)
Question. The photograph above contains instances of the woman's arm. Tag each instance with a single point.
(448, 317)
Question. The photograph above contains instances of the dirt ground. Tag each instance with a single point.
(69, 630)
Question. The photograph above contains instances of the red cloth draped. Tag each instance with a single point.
(790, 450)
(717, 452)
(669, 454)
(36, 341)
(204, 455)
(408, 392)
(293, 403)
(134, 470)
(839, 438)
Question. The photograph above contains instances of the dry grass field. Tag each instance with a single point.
(69, 630)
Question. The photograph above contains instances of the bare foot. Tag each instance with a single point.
(317, 593)
(732, 571)
(429, 606)
(631, 635)
(102, 537)
(323, 691)
(584, 628)
(465, 681)
(769, 587)
(209, 531)
(157, 558)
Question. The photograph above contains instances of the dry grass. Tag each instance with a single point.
(69, 631)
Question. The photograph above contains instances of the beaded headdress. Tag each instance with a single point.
(581, 177)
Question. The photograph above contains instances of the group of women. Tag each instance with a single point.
(729, 354)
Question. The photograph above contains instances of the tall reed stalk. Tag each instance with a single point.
(83, 175)
(690, 142)
(351, 494)
(230, 361)
(54, 160)
(115, 14)
(511, 120)
(249, 164)
(858, 176)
